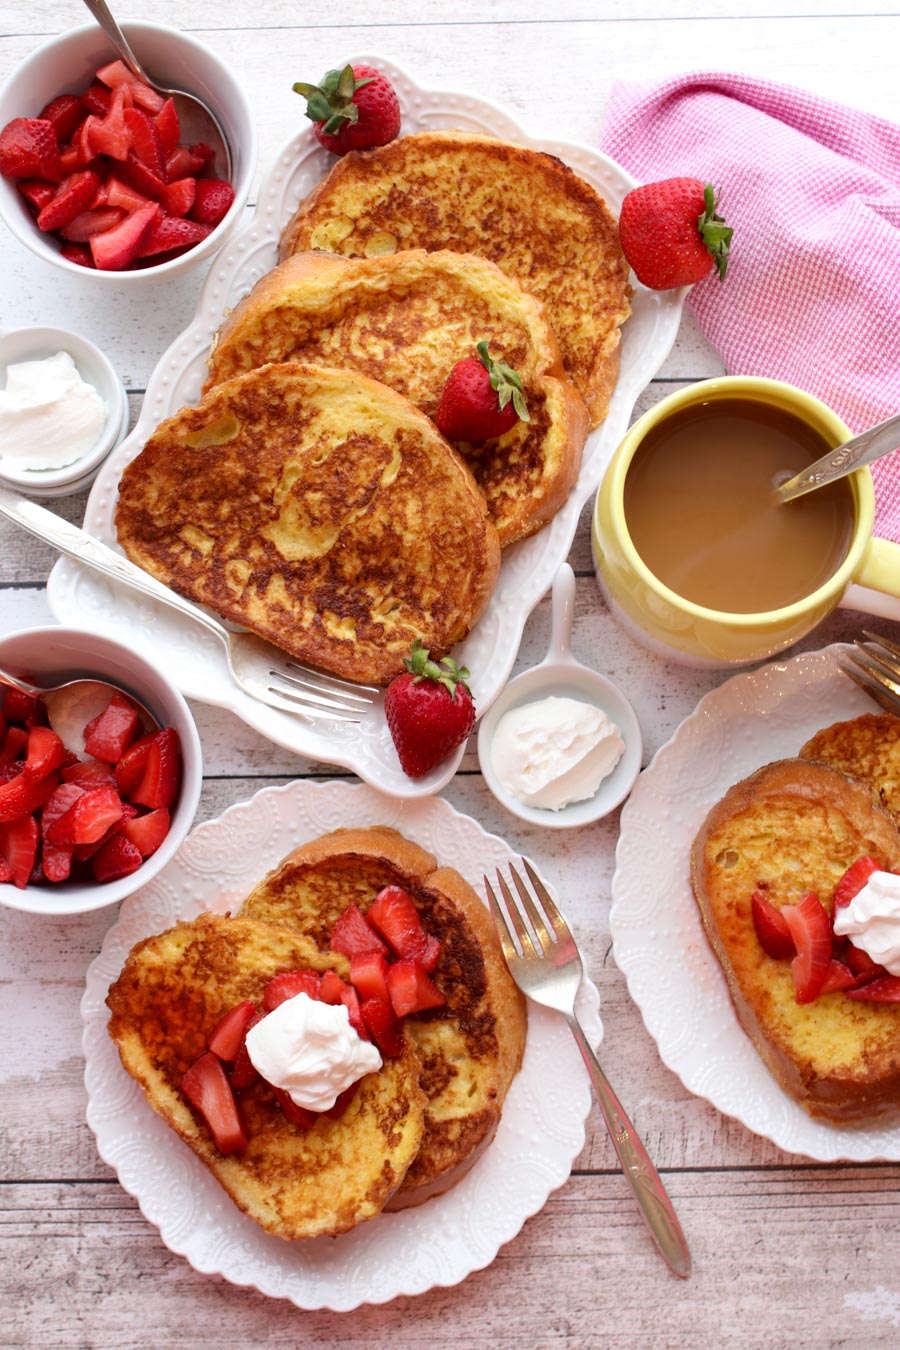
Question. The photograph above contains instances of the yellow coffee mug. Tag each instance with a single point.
(679, 628)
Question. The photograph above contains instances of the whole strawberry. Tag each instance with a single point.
(352, 109)
(429, 710)
(671, 233)
(481, 399)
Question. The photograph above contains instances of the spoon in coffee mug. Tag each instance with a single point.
(196, 117)
(863, 449)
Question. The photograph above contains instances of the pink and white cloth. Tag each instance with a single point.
(812, 190)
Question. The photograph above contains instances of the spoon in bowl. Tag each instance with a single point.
(863, 449)
(195, 116)
(73, 703)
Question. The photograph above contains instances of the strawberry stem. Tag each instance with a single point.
(715, 234)
(331, 102)
(506, 381)
(446, 672)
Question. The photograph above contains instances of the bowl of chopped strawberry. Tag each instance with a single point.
(101, 175)
(100, 775)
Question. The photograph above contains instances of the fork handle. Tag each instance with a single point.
(645, 1181)
(77, 544)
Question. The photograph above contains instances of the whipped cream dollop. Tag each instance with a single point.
(310, 1050)
(555, 751)
(872, 920)
(49, 415)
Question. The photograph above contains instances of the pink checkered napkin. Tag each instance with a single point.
(812, 189)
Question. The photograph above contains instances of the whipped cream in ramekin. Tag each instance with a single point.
(555, 751)
(49, 416)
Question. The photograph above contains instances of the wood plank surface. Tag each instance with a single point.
(787, 1252)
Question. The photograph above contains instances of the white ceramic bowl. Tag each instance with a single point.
(34, 344)
(52, 655)
(66, 64)
(560, 675)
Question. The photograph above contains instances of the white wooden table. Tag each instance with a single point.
(786, 1252)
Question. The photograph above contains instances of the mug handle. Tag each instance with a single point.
(876, 586)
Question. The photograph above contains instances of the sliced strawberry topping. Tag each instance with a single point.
(837, 977)
(97, 220)
(108, 735)
(168, 128)
(411, 990)
(117, 857)
(384, 1027)
(88, 818)
(145, 141)
(74, 195)
(117, 74)
(144, 180)
(89, 773)
(288, 985)
(332, 987)
(297, 1115)
(170, 232)
(110, 135)
(19, 846)
(19, 706)
(350, 1000)
(179, 197)
(853, 880)
(162, 773)
(861, 963)
(97, 99)
(207, 1088)
(116, 248)
(771, 928)
(354, 936)
(29, 149)
(22, 795)
(395, 916)
(368, 975)
(810, 927)
(78, 253)
(230, 1033)
(36, 191)
(64, 114)
(132, 766)
(13, 745)
(147, 832)
(44, 753)
(213, 201)
(56, 859)
(883, 990)
(124, 196)
(244, 1073)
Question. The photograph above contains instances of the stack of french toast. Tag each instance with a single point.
(309, 497)
(405, 1132)
(796, 841)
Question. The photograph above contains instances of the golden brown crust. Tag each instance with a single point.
(172, 991)
(471, 1049)
(792, 827)
(406, 319)
(524, 210)
(319, 509)
(866, 747)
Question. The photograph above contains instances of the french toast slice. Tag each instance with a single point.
(795, 826)
(523, 209)
(471, 1048)
(173, 990)
(406, 319)
(319, 509)
(866, 747)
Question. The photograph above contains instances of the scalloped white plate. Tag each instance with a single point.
(194, 658)
(658, 939)
(540, 1134)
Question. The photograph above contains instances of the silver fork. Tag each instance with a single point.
(546, 965)
(875, 667)
(261, 670)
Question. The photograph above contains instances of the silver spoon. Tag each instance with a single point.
(96, 693)
(863, 449)
(192, 112)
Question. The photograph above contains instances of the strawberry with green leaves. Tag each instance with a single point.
(481, 400)
(672, 234)
(429, 710)
(352, 109)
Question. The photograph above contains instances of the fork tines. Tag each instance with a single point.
(526, 936)
(875, 668)
(312, 691)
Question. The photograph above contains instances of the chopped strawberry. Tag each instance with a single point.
(73, 196)
(124, 195)
(19, 706)
(97, 99)
(179, 197)
(168, 128)
(98, 220)
(142, 179)
(771, 928)
(89, 773)
(853, 880)
(108, 735)
(212, 201)
(297, 1115)
(22, 795)
(883, 990)
(85, 851)
(837, 977)
(18, 847)
(45, 752)
(207, 1088)
(395, 916)
(288, 985)
(229, 1033)
(36, 191)
(368, 975)
(88, 818)
(332, 987)
(29, 149)
(202, 157)
(110, 135)
(65, 114)
(861, 963)
(147, 832)
(132, 766)
(162, 774)
(117, 74)
(145, 141)
(10, 771)
(170, 232)
(350, 1001)
(56, 859)
(78, 253)
(116, 248)
(6, 872)
(118, 857)
(13, 745)
(245, 1074)
(354, 936)
(411, 990)
(384, 1027)
(181, 164)
(810, 927)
